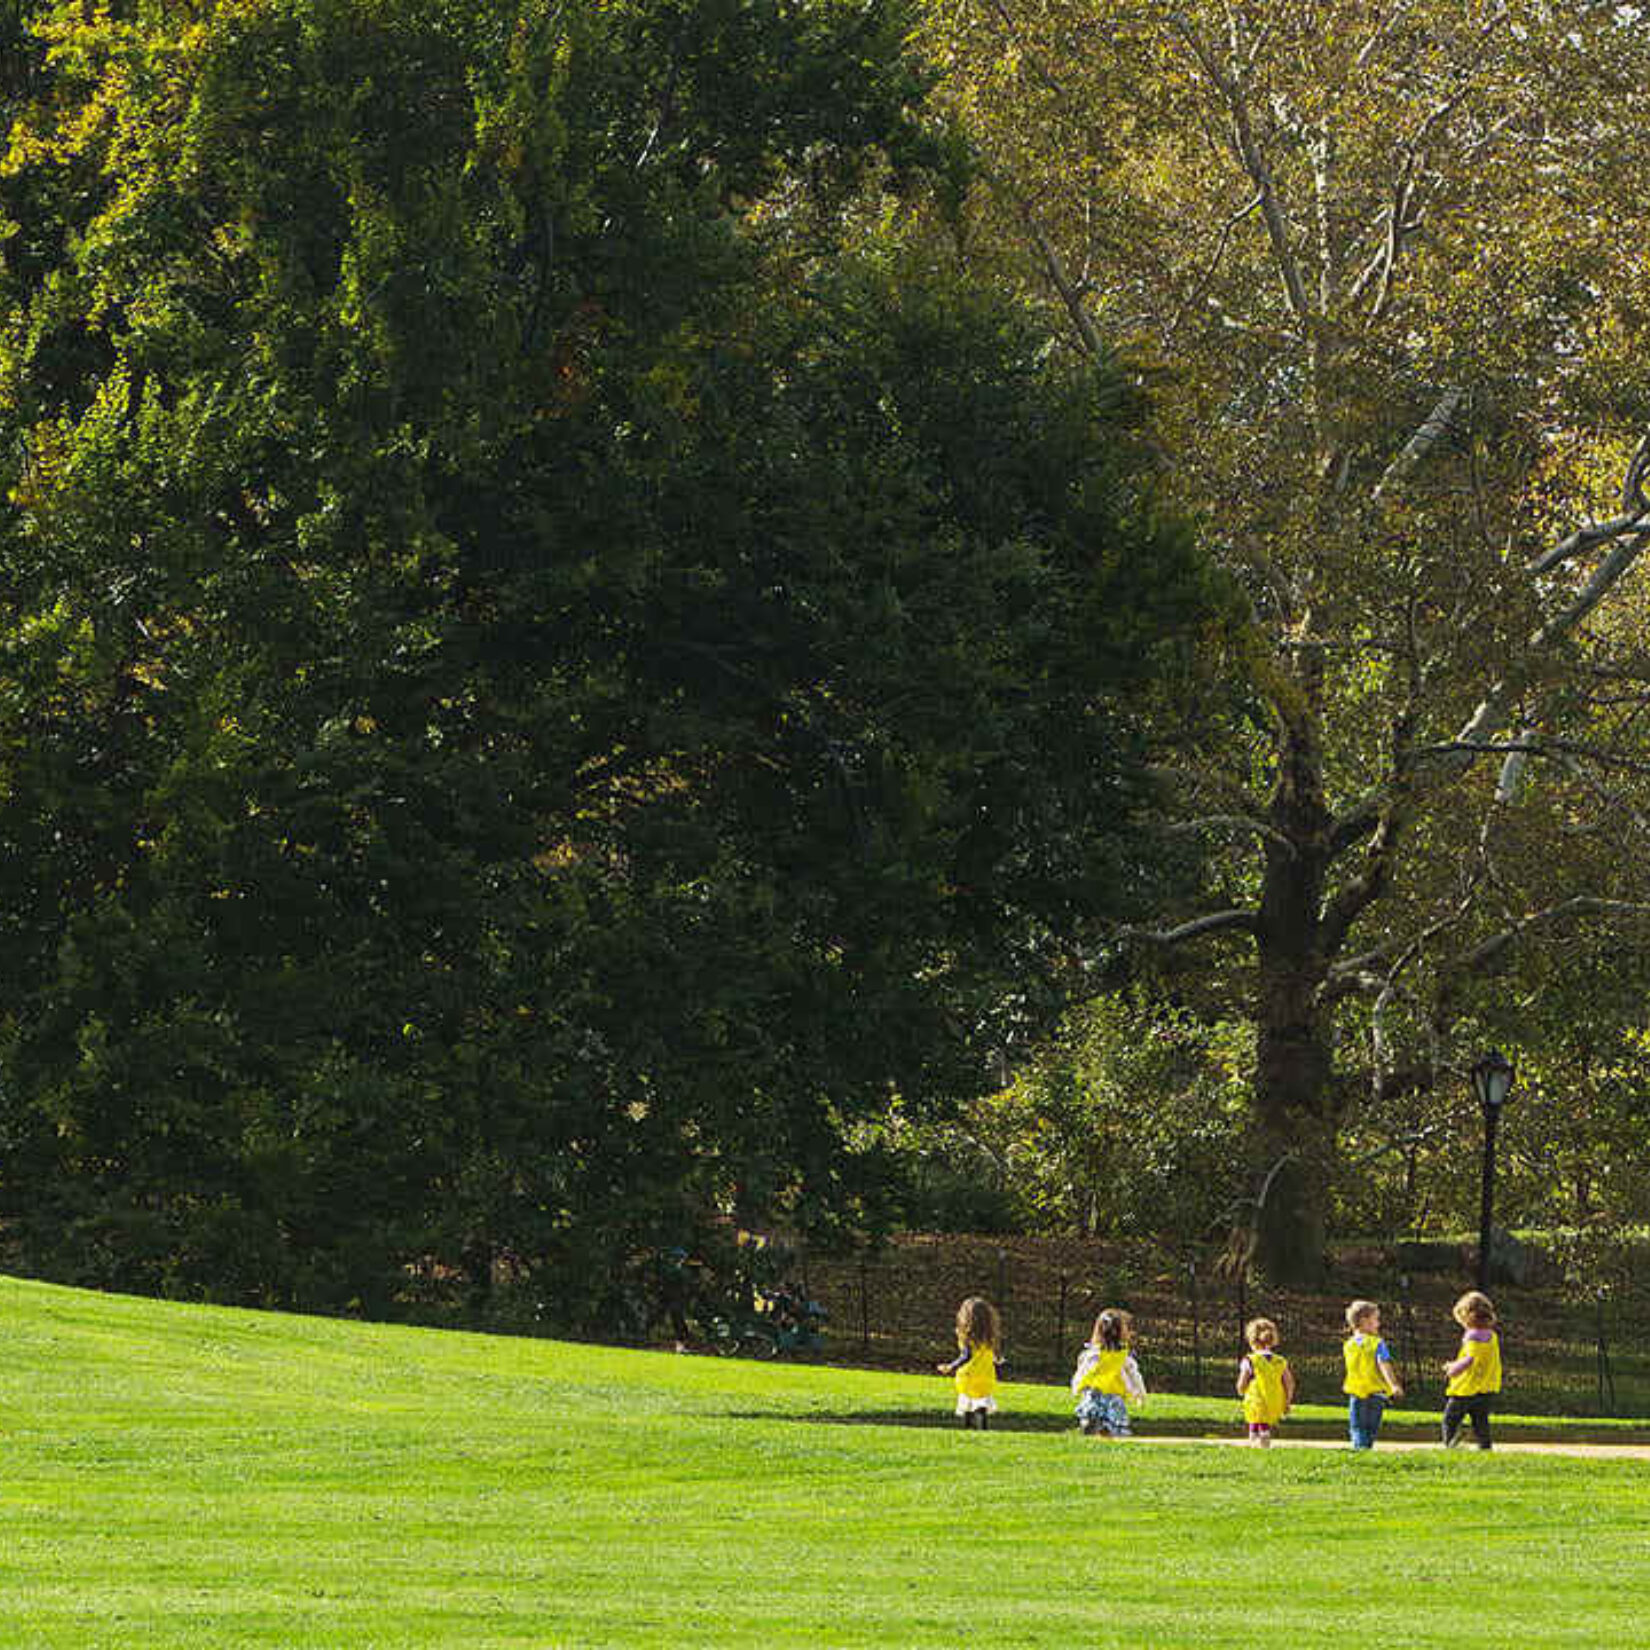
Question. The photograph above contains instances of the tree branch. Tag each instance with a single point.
(1351, 827)
(1206, 279)
(1631, 534)
(1232, 822)
(1434, 428)
(1214, 922)
(1253, 161)
(1063, 284)
(1484, 956)
(1528, 744)
(1400, 224)
(1632, 485)
(1350, 902)
(1634, 519)
(1382, 30)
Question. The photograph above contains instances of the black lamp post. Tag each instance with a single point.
(1492, 1076)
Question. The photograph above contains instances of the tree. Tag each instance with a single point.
(1385, 269)
(1129, 1122)
(538, 686)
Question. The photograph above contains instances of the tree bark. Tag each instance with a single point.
(1293, 1069)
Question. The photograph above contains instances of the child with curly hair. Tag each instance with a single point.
(1265, 1382)
(1475, 1374)
(976, 1365)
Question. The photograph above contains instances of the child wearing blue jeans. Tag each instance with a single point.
(1370, 1378)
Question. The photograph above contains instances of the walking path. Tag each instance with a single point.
(1593, 1451)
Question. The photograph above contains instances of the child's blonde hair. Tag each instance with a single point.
(1474, 1310)
(978, 1323)
(1358, 1311)
(1260, 1332)
(1113, 1329)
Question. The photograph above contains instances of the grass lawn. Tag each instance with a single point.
(175, 1475)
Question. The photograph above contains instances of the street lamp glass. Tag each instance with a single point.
(1491, 1078)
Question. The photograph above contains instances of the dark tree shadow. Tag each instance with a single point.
(938, 1420)
(1162, 1426)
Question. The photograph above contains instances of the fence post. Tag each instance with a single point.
(1197, 1331)
(1060, 1327)
(1242, 1308)
(864, 1307)
(1409, 1349)
(1606, 1379)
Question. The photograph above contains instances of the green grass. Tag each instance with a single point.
(175, 1475)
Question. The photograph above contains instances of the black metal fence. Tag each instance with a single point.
(1568, 1349)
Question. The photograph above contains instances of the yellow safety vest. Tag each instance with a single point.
(1484, 1373)
(978, 1377)
(1363, 1371)
(1264, 1400)
(1107, 1373)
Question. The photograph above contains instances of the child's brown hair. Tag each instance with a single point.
(1113, 1329)
(1260, 1333)
(978, 1323)
(1358, 1311)
(1474, 1310)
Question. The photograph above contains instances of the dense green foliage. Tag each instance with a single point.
(552, 650)
(185, 1476)
(1389, 263)
(1130, 1120)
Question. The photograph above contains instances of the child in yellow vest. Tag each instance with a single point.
(974, 1369)
(1108, 1380)
(1475, 1375)
(1265, 1382)
(1370, 1377)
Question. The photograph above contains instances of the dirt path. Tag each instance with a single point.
(1618, 1452)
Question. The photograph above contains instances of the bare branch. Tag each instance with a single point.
(1512, 770)
(1253, 161)
(1206, 279)
(1382, 30)
(1434, 428)
(1344, 908)
(1632, 486)
(1321, 147)
(1351, 901)
(1063, 284)
(1214, 922)
(1631, 535)
(1367, 274)
(1231, 822)
(1636, 519)
(1628, 548)
(1484, 956)
(1528, 744)
(1400, 222)
(1363, 963)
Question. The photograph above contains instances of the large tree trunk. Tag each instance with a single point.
(1293, 1088)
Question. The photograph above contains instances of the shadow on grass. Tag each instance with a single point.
(1508, 1429)
(941, 1421)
